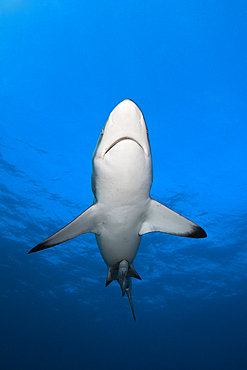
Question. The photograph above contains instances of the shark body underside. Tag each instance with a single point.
(123, 210)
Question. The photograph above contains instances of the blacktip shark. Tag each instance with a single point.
(123, 210)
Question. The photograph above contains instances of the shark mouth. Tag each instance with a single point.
(121, 139)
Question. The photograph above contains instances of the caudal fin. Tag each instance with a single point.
(128, 292)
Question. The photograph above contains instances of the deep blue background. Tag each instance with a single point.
(64, 66)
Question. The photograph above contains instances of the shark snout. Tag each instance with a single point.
(126, 110)
(126, 122)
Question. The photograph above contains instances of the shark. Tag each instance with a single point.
(122, 210)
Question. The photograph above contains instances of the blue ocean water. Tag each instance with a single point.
(64, 66)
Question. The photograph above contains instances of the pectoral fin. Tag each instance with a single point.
(88, 222)
(163, 219)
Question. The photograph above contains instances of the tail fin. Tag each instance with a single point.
(128, 292)
(123, 273)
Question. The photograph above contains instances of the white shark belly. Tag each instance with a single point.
(123, 176)
(122, 184)
(120, 237)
